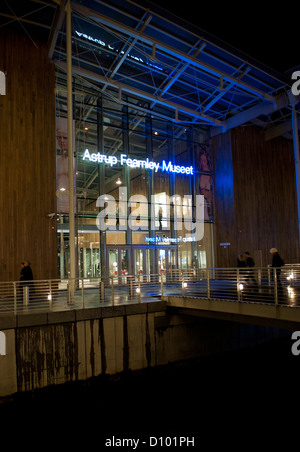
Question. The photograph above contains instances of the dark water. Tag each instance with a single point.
(242, 400)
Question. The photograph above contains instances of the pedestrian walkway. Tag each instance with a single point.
(209, 284)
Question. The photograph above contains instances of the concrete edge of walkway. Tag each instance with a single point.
(9, 321)
(287, 316)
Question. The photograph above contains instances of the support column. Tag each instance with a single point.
(101, 175)
(70, 151)
(126, 169)
(172, 183)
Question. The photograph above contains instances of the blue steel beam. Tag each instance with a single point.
(120, 27)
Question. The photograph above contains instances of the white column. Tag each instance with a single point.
(70, 149)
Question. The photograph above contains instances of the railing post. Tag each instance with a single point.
(112, 291)
(25, 295)
(71, 291)
(269, 276)
(259, 277)
(131, 286)
(82, 293)
(102, 297)
(139, 287)
(161, 284)
(182, 277)
(15, 297)
(238, 284)
(208, 283)
(275, 285)
(50, 295)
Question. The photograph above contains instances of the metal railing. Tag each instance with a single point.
(259, 285)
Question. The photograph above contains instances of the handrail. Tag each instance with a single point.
(257, 284)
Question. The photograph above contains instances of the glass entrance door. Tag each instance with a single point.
(124, 265)
(140, 260)
(162, 262)
(118, 264)
(173, 264)
(150, 266)
(144, 263)
(166, 261)
(113, 263)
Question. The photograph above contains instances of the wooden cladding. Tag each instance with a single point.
(27, 159)
(259, 211)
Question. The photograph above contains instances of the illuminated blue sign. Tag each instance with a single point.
(168, 240)
(112, 160)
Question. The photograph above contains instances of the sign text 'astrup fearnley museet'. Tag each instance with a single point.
(124, 160)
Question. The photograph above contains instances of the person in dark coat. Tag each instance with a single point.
(277, 262)
(26, 272)
(249, 260)
(26, 276)
(250, 263)
(241, 263)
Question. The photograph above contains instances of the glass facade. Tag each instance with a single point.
(137, 176)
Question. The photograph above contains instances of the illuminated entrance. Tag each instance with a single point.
(140, 260)
(139, 180)
(98, 259)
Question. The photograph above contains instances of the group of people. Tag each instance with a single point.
(248, 261)
(245, 262)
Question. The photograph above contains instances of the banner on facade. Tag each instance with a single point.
(62, 162)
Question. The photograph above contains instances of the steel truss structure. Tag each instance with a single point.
(179, 72)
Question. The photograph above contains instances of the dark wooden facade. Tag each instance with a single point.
(255, 197)
(255, 190)
(27, 159)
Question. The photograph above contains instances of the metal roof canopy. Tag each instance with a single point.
(134, 48)
(139, 51)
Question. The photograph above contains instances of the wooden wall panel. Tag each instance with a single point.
(27, 159)
(224, 206)
(255, 197)
(265, 194)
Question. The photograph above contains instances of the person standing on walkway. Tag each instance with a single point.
(26, 276)
(249, 260)
(241, 263)
(26, 272)
(250, 263)
(277, 262)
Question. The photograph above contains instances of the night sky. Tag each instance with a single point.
(267, 33)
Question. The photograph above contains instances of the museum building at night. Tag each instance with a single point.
(140, 145)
